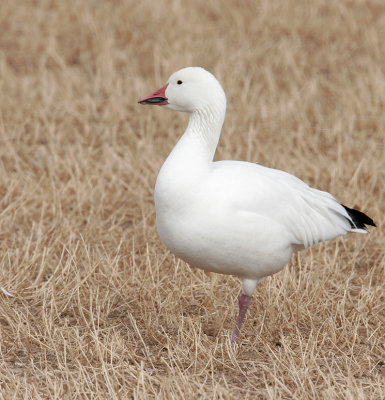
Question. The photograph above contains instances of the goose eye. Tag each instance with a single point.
(179, 82)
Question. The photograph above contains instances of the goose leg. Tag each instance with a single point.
(248, 288)
(244, 302)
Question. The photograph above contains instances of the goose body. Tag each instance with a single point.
(234, 217)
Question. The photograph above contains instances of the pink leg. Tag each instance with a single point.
(244, 302)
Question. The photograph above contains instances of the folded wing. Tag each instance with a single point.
(309, 215)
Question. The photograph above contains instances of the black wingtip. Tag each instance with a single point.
(358, 218)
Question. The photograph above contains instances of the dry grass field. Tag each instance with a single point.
(101, 310)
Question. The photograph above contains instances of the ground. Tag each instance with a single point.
(101, 309)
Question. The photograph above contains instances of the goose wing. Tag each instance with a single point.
(309, 215)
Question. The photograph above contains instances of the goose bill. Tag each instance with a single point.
(158, 97)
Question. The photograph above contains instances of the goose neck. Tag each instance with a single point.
(205, 125)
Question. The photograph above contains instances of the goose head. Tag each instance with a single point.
(189, 89)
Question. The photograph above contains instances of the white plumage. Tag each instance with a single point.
(234, 217)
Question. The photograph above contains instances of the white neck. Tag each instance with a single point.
(206, 124)
(201, 137)
(190, 159)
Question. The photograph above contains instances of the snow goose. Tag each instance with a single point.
(234, 217)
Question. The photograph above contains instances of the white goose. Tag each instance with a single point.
(234, 217)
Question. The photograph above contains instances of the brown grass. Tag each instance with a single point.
(101, 309)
